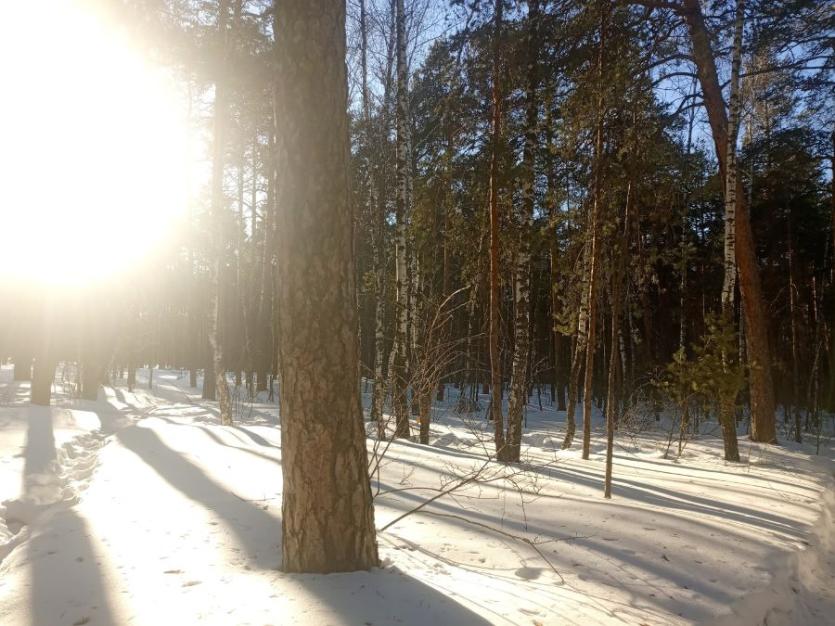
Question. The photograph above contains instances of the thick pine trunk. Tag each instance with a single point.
(327, 510)
(42, 374)
(22, 366)
(763, 427)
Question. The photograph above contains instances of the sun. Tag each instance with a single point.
(94, 149)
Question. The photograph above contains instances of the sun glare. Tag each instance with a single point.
(93, 148)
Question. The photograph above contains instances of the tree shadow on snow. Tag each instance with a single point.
(378, 596)
(67, 586)
(257, 531)
(66, 581)
(382, 596)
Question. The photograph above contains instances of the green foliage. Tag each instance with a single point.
(717, 374)
(713, 375)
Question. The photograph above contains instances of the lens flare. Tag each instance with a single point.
(93, 150)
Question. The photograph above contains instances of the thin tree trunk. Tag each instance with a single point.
(522, 272)
(496, 413)
(611, 395)
(376, 214)
(832, 282)
(618, 263)
(594, 226)
(798, 437)
(217, 227)
(327, 510)
(401, 337)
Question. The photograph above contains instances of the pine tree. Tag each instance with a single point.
(327, 511)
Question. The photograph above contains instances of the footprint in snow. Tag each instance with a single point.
(528, 573)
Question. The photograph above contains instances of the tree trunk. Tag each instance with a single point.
(22, 367)
(90, 379)
(496, 413)
(832, 282)
(611, 395)
(798, 437)
(619, 261)
(327, 510)
(522, 272)
(727, 405)
(42, 374)
(376, 213)
(217, 222)
(594, 226)
(399, 355)
(209, 382)
(763, 428)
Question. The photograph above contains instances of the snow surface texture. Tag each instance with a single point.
(141, 509)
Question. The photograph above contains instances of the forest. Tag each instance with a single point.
(423, 293)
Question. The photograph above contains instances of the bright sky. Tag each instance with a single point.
(93, 147)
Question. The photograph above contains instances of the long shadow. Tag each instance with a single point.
(346, 595)
(668, 499)
(211, 434)
(385, 596)
(261, 441)
(634, 553)
(167, 392)
(663, 498)
(257, 532)
(67, 585)
(214, 437)
(690, 468)
(65, 575)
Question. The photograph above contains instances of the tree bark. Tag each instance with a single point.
(594, 226)
(376, 215)
(763, 427)
(42, 374)
(327, 510)
(22, 366)
(399, 372)
(217, 222)
(522, 272)
(496, 413)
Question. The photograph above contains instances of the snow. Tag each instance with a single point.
(140, 508)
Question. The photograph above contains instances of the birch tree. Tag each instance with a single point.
(402, 173)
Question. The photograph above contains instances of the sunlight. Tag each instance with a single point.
(94, 148)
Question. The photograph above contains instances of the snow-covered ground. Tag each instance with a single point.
(141, 509)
